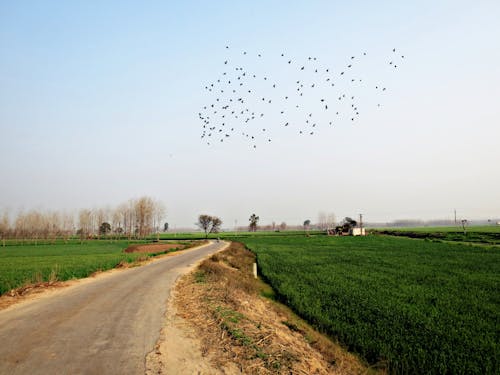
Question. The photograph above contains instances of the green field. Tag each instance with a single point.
(230, 235)
(471, 229)
(420, 307)
(488, 235)
(23, 264)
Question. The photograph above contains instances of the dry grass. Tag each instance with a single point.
(223, 302)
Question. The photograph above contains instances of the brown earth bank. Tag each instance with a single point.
(219, 322)
(161, 247)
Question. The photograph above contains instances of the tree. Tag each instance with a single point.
(165, 227)
(330, 221)
(307, 225)
(105, 228)
(100, 218)
(144, 215)
(322, 221)
(209, 224)
(4, 227)
(464, 223)
(84, 222)
(254, 219)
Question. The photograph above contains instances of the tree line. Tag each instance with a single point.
(136, 218)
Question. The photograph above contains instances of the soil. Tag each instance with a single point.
(154, 248)
(218, 322)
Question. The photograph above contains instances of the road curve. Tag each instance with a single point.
(105, 326)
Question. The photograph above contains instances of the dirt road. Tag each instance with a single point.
(104, 326)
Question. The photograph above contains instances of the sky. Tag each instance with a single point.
(99, 104)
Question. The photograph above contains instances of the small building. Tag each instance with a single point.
(341, 230)
(358, 232)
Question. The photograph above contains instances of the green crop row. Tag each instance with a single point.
(421, 307)
(481, 235)
(26, 264)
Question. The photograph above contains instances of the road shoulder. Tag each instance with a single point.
(219, 323)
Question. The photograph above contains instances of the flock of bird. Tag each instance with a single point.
(304, 94)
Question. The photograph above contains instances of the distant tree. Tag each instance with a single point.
(104, 228)
(144, 216)
(254, 219)
(216, 224)
(307, 225)
(464, 224)
(165, 227)
(85, 224)
(322, 221)
(159, 211)
(209, 224)
(68, 223)
(4, 227)
(330, 220)
(282, 226)
(100, 217)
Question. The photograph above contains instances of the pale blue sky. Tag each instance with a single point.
(99, 103)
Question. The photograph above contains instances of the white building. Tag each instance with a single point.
(358, 232)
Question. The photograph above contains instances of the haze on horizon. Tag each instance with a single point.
(99, 104)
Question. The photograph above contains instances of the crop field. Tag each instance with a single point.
(470, 229)
(23, 264)
(230, 235)
(489, 235)
(414, 306)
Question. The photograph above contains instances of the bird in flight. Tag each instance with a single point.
(239, 104)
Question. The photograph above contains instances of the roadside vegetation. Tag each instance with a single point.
(241, 325)
(413, 306)
(23, 265)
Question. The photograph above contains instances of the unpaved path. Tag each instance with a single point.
(107, 325)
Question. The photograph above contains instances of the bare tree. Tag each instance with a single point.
(282, 226)
(158, 215)
(330, 220)
(144, 213)
(139, 217)
(254, 219)
(464, 224)
(68, 222)
(4, 227)
(209, 224)
(84, 224)
(101, 216)
(322, 221)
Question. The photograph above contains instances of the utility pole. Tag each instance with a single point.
(361, 223)
(455, 211)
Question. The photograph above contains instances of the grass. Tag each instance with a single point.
(259, 335)
(229, 235)
(489, 235)
(419, 306)
(26, 264)
(472, 228)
